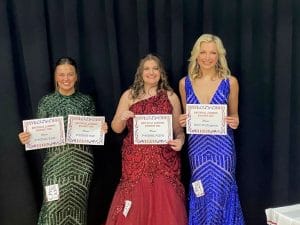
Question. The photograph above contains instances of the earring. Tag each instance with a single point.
(197, 66)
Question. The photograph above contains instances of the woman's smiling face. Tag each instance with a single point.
(65, 77)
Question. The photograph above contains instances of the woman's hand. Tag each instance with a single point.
(176, 144)
(104, 127)
(182, 120)
(126, 115)
(24, 137)
(232, 121)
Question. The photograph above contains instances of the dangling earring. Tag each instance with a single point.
(197, 66)
(217, 67)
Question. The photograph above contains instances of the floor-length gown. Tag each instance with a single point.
(150, 191)
(212, 161)
(70, 166)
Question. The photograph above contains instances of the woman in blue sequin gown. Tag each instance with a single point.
(213, 193)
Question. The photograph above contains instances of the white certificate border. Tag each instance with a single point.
(221, 131)
(61, 141)
(139, 141)
(84, 141)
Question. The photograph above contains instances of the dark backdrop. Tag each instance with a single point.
(107, 38)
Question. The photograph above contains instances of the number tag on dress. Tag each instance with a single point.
(52, 192)
(198, 188)
(127, 207)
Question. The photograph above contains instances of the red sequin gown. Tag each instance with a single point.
(150, 179)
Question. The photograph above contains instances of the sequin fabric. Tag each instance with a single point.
(212, 161)
(150, 177)
(70, 166)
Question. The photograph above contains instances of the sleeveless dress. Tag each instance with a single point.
(212, 161)
(150, 191)
(70, 166)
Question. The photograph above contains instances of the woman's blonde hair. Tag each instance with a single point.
(137, 87)
(221, 66)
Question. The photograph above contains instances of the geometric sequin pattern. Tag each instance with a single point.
(212, 161)
(70, 166)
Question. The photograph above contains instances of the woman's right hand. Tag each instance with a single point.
(182, 120)
(24, 137)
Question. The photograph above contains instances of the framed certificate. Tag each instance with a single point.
(206, 119)
(154, 129)
(46, 132)
(85, 130)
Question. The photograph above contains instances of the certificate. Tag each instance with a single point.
(284, 215)
(85, 130)
(206, 119)
(44, 133)
(152, 129)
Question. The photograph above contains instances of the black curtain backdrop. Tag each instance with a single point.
(107, 38)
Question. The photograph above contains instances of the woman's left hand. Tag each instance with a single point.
(176, 144)
(232, 121)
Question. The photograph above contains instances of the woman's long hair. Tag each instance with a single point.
(222, 69)
(137, 88)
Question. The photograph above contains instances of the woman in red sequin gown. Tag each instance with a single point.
(150, 191)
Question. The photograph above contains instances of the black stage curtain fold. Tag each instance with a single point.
(107, 38)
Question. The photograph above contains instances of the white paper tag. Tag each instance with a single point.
(127, 207)
(52, 192)
(198, 188)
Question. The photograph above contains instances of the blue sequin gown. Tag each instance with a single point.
(212, 161)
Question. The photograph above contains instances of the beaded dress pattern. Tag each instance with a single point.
(150, 191)
(212, 161)
(70, 166)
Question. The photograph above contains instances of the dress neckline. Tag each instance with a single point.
(213, 95)
(65, 96)
(147, 99)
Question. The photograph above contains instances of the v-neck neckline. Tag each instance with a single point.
(213, 95)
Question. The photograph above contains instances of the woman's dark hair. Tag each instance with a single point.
(66, 60)
(138, 84)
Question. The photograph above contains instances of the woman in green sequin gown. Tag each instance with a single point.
(70, 166)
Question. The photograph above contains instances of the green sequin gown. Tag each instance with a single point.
(70, 166)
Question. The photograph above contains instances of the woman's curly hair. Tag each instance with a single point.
(137, 88)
